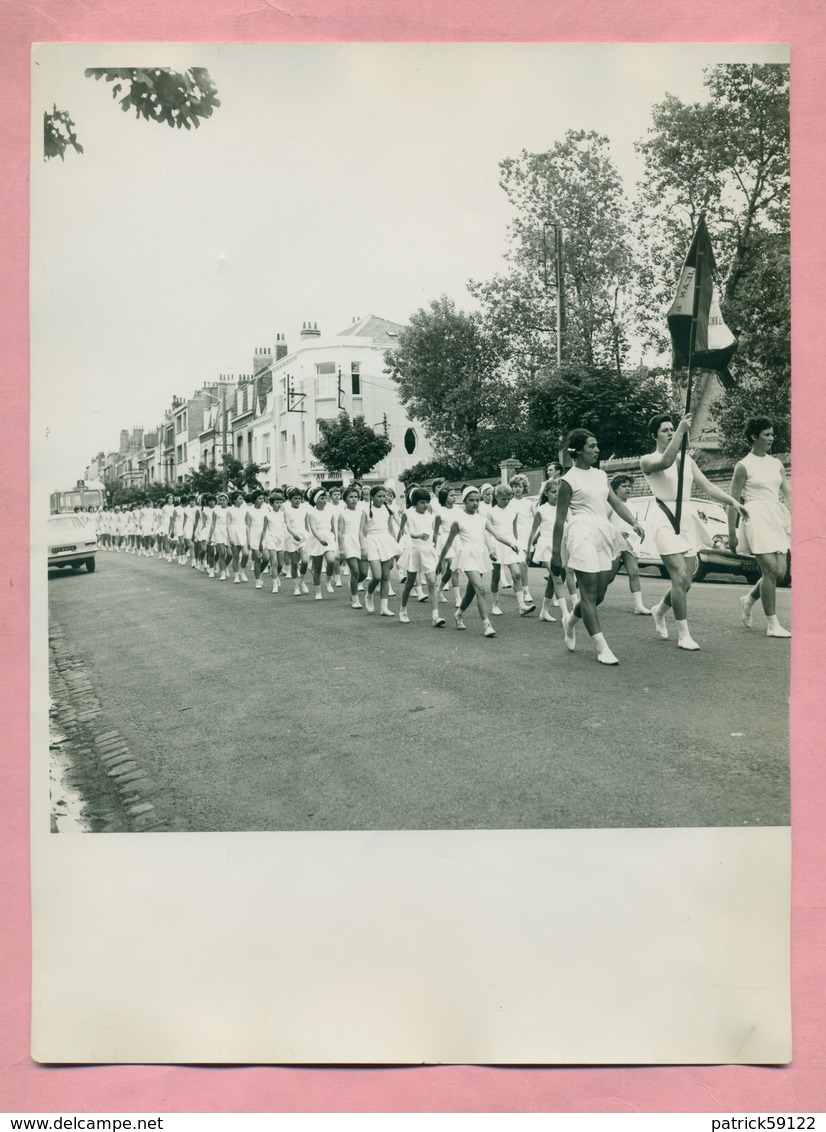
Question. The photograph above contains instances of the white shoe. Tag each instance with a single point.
(360, 588)
(545, 616)
(442, 597)
(438, 622)
(356, 604)
(689, 644)
(405, 620)
(746, 606)
(457, 617)
(259, 585)
(642, 612)
(330, 589)
(244, 577)
(422, 597)
(659, 624)
(487, 629)
(223, 577)
(606, 657)
(391, 592)
(304, 588)
(318, 596)
(528, 599)
(525, 608)
(275, 587)
(777, 631)
(297, 591)
(338, 583)
(496, 611)
(368, 603)
(236, 580)
(386, 613)
(569, 629)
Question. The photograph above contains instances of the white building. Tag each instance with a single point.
(315, 382)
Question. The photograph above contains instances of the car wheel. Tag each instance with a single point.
(90, 565)
(752, 576)
(664, 573)
(700, 570)
(75, 566)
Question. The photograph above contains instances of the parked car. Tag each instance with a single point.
(72, 543)
(714, 556)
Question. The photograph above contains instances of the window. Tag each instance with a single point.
(303, 440)
(355, 378)
(293, 446)
(184, 451)
(325, 367)
(410, 441)
(283, 447)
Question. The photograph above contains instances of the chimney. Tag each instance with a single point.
(124, 440)
(281, 350)
(310, 330)
(137, 438)
(261, 360)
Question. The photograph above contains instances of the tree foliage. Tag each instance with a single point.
(616, 407)
(576, 185)
(450, 376)
(351, 444)
(58, 134)
(729, 157)
(159, 94)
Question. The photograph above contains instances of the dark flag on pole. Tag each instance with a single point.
(714, 344)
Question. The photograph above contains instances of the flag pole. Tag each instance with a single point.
(692, 341)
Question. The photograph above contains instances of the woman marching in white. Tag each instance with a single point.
(322, 542)
(350, 543)
(418, 557)
(541, 545)
(660, 469)
(587, 543)
(759, 480)
(472, 555)
(380, 549)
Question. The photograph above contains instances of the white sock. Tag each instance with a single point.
(638, 600)
(682, 629)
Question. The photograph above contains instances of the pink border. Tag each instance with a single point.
(800, 1087)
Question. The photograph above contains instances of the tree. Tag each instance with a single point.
(617, 407)
(450, 377)
(243, 476)
(157, 94)
(728, 156)
(576, 185)
(351, 444)
(58, 134)
(205, 478)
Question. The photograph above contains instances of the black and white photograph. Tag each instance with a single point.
(411, 454)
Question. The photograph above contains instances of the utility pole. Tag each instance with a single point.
(560, 291)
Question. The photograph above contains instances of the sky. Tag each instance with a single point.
(335, 181)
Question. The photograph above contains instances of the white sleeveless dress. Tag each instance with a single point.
(693, 535)
(589, 542)
(768, 527)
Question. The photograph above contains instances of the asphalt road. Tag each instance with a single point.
(261, 712)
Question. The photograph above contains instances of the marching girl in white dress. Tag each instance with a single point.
(322, 541)
(274, 538)
(219, 534)
(445, 511)
(404, 542)
(587, 542)
(502, 519)
(255, 527)
(203, 546)
(295, 518)
(541, 544)
(335, 506)
(472, 555)
(418, 557)
(380, 547)
(350, 543)
(621, 485)
(523, 509)
(677, 550)
(237, 529)
(759, 480)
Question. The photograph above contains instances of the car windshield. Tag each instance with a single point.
(64, 524)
